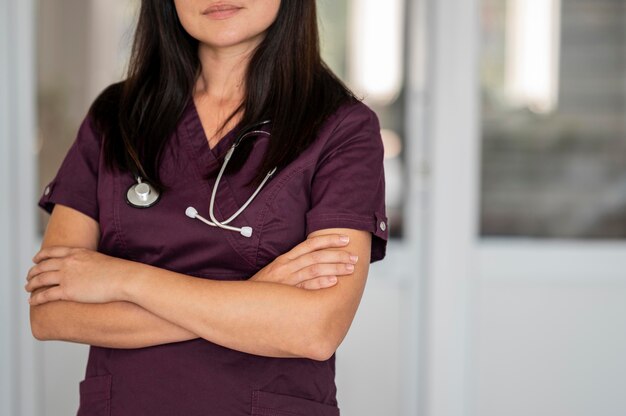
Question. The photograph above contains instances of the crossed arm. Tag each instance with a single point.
(158, 306)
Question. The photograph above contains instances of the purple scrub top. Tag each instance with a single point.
(337, 182)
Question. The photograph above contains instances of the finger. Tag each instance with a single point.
(318, 270)
(47, 265)
(41, 280)
(52, 251)
(48, 295)
(317, 243)
(318, 283)
(321, 256)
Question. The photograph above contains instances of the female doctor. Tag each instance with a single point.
(214, 219)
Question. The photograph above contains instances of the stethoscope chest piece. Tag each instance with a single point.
(141, 194)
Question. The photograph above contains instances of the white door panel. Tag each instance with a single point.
(553, 347)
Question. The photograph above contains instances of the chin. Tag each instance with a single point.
(232, 39)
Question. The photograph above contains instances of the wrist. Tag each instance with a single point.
(131, 281)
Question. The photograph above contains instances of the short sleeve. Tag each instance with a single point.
(348, 189)
(76, 182)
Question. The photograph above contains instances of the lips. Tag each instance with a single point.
(220, 9)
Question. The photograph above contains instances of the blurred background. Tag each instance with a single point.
(504, 122)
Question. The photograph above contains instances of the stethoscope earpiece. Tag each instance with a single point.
(191, 212)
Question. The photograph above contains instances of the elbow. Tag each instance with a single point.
(325, 336)
(323, 346)
(37, 327)
(39, 336)
(321, 351)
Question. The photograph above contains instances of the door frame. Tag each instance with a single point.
(19, 353)
(453, 141)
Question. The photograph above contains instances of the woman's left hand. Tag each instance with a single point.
(76, 274)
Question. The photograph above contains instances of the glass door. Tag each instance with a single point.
(526, 248)
(552, 250)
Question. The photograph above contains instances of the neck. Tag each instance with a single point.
(223, 71)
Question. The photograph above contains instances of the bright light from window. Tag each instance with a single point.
(532, 53)
(375, 48)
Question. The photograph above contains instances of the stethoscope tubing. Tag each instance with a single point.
(149, 196)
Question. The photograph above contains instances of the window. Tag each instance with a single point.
(553, 86)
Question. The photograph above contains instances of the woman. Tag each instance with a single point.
(186, 319)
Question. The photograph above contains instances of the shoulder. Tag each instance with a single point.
(353, 127)
(354, 111)
(110, 95)
(102, 113)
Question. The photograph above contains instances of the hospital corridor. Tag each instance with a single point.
(497, 283)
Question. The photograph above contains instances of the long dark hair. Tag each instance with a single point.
(286, 81)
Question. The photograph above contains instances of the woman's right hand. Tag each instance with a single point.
(315, 263)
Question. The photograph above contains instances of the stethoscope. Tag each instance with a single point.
(144, 195)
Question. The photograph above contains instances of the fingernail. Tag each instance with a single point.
(354, 258)
(332, 279)
(350, 266)
(344, 238)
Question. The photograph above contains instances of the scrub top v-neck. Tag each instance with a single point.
(217, 152)
(338, 181)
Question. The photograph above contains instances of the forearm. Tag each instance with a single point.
(113, 325)
(260, 318)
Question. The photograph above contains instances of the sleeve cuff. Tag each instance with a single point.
(376, 223)
(52, 195)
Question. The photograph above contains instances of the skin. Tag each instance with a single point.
(225, 46)
(115, 324)
(81, 295)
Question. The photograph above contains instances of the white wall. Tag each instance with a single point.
(18, 358)
(549, 329)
